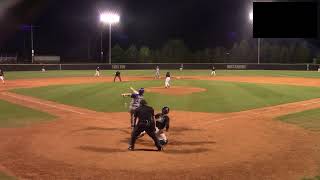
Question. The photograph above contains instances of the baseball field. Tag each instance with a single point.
(237, 125)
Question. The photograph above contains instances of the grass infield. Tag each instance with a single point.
(219, 97)
(17, 116)
(307, 119)
(5, 177)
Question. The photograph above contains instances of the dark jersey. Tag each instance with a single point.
(168, 74)
(144, 113)
(118, 73)
(213, 68)
(1, 72)
(98, 69)
(162, 121)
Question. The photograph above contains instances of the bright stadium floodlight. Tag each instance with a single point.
(108, 19)
(251, 16)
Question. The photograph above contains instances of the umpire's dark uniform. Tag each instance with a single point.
(117, 75)
(146, 123)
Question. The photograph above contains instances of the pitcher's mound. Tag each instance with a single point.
(175, 90)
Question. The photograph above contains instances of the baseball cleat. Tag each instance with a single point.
(160, 148)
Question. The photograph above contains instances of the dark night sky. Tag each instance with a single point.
(66, 26)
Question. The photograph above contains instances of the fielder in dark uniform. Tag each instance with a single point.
(146, 122)
(117, 75)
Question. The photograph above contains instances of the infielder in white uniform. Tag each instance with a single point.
(157, 76)
(2, 76)
(97, 72)
(213, 71)
(167, 81)
(181, 67)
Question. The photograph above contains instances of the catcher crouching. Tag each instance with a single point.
(162, 125)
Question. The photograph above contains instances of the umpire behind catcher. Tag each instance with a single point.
(146, 123)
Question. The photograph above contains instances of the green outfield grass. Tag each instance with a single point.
(307, 119)
(17, 116)
(86, 73)
(315, 178)
(5, 177)
(220, 97)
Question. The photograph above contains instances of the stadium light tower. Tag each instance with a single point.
(251, 20)
(109, 19)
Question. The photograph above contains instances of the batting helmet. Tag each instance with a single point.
(141, 91)
(165, 110)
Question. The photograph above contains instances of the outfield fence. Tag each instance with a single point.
(136, 66)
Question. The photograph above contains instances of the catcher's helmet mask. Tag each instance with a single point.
(165, 110)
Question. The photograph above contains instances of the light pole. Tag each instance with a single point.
(101, 50)
(32, 49)
(259, 41)
(109, 18)
(31, 28)
(109, 43)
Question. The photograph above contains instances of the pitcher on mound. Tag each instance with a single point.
(167, 81)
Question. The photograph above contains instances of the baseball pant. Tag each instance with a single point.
(213, 73)
(2, 79)
(161, 135)
(114, 80)
(132, 111)
(149, 128)
(157, 75)
(97, 73)
(167, 82)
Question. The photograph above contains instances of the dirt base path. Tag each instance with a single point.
(84, 144)
(29, 83)
(260, 79)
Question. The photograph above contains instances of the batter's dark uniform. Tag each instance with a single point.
(117, 75)
(146, 123)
